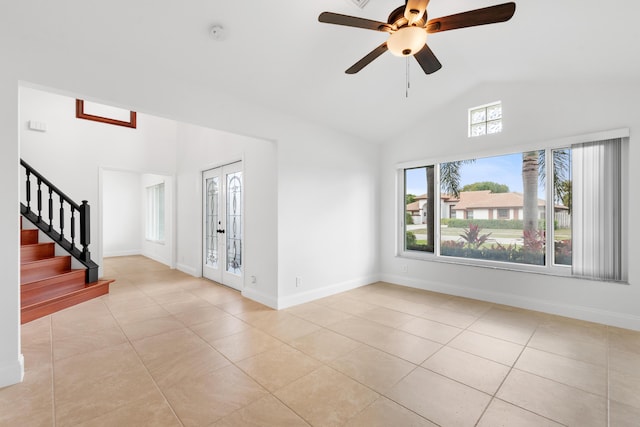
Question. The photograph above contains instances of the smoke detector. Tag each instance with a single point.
(360, 3)
(217, 33)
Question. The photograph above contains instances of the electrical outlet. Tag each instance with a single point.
(254, 279)
(404, 268)
(298, 282)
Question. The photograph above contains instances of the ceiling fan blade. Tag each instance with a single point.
(427, 60)
(472, 18)
(415, 9)
(352, 21)
(367, 59)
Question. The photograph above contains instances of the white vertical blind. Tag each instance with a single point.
(597, 216)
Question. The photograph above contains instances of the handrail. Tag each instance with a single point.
(49, 184)
(49, 228)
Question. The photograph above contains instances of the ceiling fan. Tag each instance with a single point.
(408, 28)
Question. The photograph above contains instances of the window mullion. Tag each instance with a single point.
(437, 214)
(550, 211)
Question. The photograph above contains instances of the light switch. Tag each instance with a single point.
(37, 126)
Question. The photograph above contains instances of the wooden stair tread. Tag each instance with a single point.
(71, 274)
(44, 268)
(42, 308)
(51, 287)
(37, 251)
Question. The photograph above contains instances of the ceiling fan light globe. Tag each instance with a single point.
(407, 41)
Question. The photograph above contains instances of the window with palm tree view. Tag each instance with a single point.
(517, 209)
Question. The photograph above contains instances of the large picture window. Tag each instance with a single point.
(556, 210)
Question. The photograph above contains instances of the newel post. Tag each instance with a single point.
(85, 230)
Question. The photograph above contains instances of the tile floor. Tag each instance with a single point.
(167, 349)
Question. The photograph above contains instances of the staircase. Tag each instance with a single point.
(47, 282)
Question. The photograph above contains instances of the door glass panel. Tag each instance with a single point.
(234, 223)
(213, 213)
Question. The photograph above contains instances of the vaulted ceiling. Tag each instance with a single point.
(276, 54)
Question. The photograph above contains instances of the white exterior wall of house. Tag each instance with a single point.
(445, 209)
(481, 214)
(575, 112)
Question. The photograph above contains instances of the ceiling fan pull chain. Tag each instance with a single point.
(406, 95)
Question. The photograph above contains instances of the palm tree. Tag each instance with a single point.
(534, 169)
(530, 168)
(449, 183)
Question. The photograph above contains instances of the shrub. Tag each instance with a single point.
(411, 238)
(562, 251)
(473, 237)
(408, 219)
(534, 240)
(496, 252)
(496, 224)
(413, 245)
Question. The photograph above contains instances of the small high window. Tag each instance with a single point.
(485, 119)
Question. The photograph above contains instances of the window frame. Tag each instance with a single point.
(153, 216)
(507, 216)
(549, 268)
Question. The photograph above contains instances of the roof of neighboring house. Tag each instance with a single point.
(414, 206)
(418, 203)
(486, 199)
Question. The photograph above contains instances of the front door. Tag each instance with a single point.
(222, 227)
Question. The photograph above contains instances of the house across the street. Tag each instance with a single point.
(484, 205)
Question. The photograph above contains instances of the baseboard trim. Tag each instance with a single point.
(304, 297)
(122, 253)
(188, 270)
(12, 373)
(590, 314)
(157, 259)
(257, 296)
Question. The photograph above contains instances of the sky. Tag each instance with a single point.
(505, 169)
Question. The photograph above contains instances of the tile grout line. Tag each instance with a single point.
(511, 368)
(145, 368)
(53, 377)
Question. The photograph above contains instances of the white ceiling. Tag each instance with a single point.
(276, 54)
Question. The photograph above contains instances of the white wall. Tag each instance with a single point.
(11, 363)
(533, 113)
(204, 149)
(122, 228)
(328, 219)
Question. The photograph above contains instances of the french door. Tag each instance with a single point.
(223, 223)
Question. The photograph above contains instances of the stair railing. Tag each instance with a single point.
(44, 217)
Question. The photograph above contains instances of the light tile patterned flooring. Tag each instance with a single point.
(167, 349)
